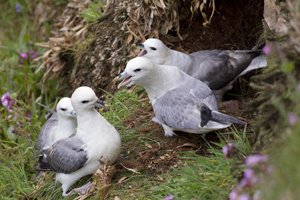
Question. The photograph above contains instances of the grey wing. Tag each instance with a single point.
(218, 68)
(67, 155)
(46, 131)
(178, 108)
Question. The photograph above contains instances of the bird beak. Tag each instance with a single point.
(142, 53)
(99, 104)
(73, 113)
(124, 77)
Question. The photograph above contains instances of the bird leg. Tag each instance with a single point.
(168, 131)
(83, 189)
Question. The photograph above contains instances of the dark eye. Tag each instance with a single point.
(63, 109)
(141, 45)
(153, 48)
(85, 101)
(137, 70)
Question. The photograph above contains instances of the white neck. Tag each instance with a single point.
(84, 119)
(181, 60)
(163, 79)
(68, 125)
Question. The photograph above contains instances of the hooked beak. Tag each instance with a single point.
(125, 78)
(99, 104)
(142, 53)
(73, 113)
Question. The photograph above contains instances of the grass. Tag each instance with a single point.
(201, 177)
(19, 128)
(93, 12)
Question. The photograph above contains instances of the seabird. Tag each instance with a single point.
(217, 68)
(59, 124)
(180, 102)
(96, 142)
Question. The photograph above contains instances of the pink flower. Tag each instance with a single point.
(249, 179)
(255, 159)
(234, 194)
(28, 56)
(292, 119)
(23, 57)
(33, 54)
(7, 101)
(266, 50)
(169, 197)
(228, 150)
(244, 197)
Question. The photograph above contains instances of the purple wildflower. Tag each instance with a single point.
(169, 197)
(28, 56)
(18, 8)
(234, 194)
(254, 160)
(23, 57)
(266, 50)
(244, 197)
(249, 179)
(7, 101)
(228, 150)
(292, 119)
(33, 54)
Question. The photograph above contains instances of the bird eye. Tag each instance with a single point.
(137, 70)
(141, 45)
(153, 48)
(63, 109)
(85, 101)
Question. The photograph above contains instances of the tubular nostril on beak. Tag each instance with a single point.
(99, 103)
(73, 113)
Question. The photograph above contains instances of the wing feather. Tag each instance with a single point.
(178, 107)
(46, 131)
(67, 155)
(218, 68)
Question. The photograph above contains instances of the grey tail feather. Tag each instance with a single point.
(223, 118)
(43, 164)
(208, 115)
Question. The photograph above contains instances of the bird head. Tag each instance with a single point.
(65, 109)
(138, 71)
(155, 50)
(84, 98)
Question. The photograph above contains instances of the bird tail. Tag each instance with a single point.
(209, 115)
(43, 163)
(257, 63)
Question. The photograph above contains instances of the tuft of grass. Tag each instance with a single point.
(204, 177)
(201, 177)
(20, 127)
(93, 12)
(16, 171)
(196, 177)
(121, 105)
